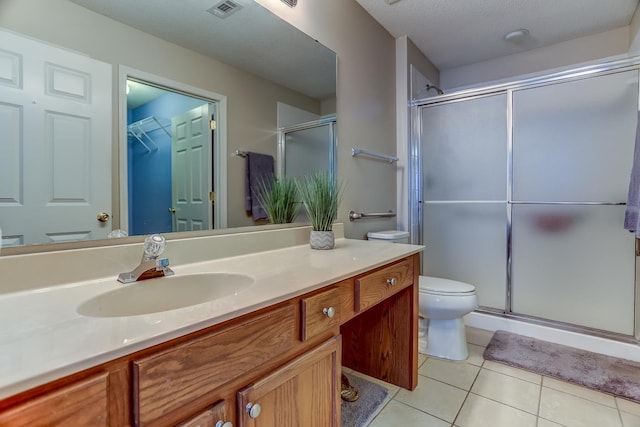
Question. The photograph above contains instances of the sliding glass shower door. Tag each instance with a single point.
(522, 194)
(464, 170)
(572, 261)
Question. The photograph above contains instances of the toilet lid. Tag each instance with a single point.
(437, 285)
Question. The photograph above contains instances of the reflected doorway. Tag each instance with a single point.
(173, 174)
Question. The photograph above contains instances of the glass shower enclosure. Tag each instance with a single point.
(307, 147)
(520, 190)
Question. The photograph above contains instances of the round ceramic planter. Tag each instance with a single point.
(321, 240)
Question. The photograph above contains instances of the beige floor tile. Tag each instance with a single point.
(574, 411)
(508, 390)
(459, 374)
(630, 420)
(434, 397)
(546, 423)
(514, 372)
(576, 390)
(628, 406)
(477, 336)
(399, 414)
(479, 411)
(475, 354)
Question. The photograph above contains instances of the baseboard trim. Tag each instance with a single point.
(573, 339)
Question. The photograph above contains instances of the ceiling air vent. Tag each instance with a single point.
(225, 8)
(291, 3)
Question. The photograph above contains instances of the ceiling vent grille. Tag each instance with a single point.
(291, 3)
(225, 8)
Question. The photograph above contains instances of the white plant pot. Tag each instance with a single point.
(321, 240)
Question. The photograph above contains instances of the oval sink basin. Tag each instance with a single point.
(164, 293)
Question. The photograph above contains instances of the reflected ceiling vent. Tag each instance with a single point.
(291, 3)
(225, 8)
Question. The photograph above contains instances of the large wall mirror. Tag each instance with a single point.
(233, 61)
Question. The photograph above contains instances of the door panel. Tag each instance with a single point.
(574, 264)
(55, 176)
(191, 169)
(573, 141)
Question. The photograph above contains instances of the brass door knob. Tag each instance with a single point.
(103, 217)
(172, 210)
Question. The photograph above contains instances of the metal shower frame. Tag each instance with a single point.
(416, 190)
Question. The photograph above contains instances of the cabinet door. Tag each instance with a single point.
(304, 392)
(212, 417)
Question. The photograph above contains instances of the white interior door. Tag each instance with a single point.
(55, 148)
(191, 169)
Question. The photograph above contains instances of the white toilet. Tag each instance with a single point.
(443, 303)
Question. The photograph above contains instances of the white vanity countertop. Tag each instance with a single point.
(42, 337)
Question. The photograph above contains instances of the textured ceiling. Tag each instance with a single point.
(452, 33)
(252, 39)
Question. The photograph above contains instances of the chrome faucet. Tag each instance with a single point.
(150, 265)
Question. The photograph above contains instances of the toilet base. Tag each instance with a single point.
(446, 339)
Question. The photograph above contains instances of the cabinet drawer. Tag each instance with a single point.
(377, 286)
(81, 404)
(320, 312)
(173, 378)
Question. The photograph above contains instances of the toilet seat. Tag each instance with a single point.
(440, 286)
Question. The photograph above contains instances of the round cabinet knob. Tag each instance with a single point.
(223, 424)
(392, 281)
(103, 217)
(330, 312)
(254, 409)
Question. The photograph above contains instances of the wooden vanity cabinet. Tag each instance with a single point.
(285, 358)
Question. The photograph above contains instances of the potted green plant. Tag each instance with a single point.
(320, 194)
(279, 199)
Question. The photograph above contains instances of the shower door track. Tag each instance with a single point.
(556, 324)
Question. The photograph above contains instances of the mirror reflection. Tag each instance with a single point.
(86, 154)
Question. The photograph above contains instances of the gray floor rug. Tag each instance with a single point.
(608, 374)
(361, 412)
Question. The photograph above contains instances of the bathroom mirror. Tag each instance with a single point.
(280, 64)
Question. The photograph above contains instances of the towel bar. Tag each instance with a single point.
(390, 159)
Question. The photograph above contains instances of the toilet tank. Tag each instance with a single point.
(391, 236)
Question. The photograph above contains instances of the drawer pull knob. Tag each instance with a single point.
(254, 409)
(330, 312)
(223, 424)
(392, 281)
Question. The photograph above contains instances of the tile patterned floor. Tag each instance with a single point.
(479, 393)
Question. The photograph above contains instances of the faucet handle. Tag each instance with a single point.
(154, 245)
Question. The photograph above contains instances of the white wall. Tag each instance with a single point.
(365, 101)
(634, 34)
(582, 51)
